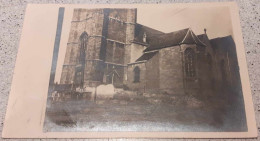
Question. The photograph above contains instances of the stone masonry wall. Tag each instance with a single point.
(91, 22)
(136, 51)
(152, 74)
(170, 70)
(136, 86)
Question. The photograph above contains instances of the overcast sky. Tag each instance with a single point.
(215, 19)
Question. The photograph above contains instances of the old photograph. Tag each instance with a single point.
(144, 70)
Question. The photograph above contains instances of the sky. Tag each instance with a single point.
(216, 20)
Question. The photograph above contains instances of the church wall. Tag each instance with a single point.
(170, 70)
(120, 32)
(67, 75)
(220, 56)
(109, 51)
(152, 74)
(114, 58)
(191, 84)
(93, 74)
(91, 22)
(115, 52)
(206, 72)
(115, 72)
(116, 25)
(207, 67)
(136, 86)
(225, 51)
(211, 71)
(130, 32)
(136, 51)
(68, 68)
(118, 57)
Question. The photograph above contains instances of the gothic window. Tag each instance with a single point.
(79, 70)
(136, 74)
(190, 63)
(82, 49)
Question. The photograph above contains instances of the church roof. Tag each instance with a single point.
(184, 36)
(204, 39)
(146, 56)
(150, 33)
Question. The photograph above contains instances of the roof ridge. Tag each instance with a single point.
(150, 28)
(192, 33)
(185, 36)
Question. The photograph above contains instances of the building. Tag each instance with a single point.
(107, 46)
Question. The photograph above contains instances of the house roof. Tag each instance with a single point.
(184, 36)
(146, 56)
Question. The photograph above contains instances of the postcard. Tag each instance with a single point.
(131, 71)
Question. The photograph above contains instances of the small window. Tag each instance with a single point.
(136, 74)
(190, 64)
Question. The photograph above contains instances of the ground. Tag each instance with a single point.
(131, 111)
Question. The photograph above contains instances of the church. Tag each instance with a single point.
(108, 46)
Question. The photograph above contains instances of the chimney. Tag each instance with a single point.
(205, 30)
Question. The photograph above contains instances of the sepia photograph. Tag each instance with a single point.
(145, 70)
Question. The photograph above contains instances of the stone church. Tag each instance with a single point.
(108, 46)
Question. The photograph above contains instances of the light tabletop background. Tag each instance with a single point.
(11, 23)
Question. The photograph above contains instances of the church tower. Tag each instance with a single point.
(97, 48)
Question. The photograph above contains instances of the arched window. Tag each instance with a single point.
(83, 46)
(136, 74)
(80, 67)
(190, 63)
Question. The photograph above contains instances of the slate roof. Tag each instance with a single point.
(184, 36)
(150, 33)
(146, 56)
(156, 40)
(204, 39)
